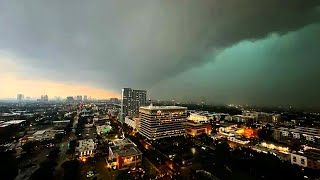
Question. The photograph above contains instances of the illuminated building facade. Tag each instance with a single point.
(162, 121)
(195, 129)
(85, 147)
(124, 154)
(297, 135)
(199, 118)
(309, 158)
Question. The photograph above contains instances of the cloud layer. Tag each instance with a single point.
(140, 44)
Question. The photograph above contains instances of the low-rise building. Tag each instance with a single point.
(132, 122)
(124, 154)
(195, 129)
(199, 118)
(309, 158)
(42, 135)
(85, 148)
(297, 135)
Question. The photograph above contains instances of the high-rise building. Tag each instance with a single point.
(44, 98)
(70, 99)
(85, 98)
(162, 121)
(79, 98)
(131, 101)
(114, 100)
(20, 97)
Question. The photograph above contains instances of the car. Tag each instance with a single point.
(90, 174)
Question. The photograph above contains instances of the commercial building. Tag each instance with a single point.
(44, 98)
(297, 135)
(243, 119)
(85, 98)
(20, 97)
(162, 121)
(309, 158)
(124, 154)
(85, 148)
(114, 100)
(41, 135)
(79, 98)
(70, 99)
(195, 129)
(132, 122)
(199, 117)
(131, 101)
(276, 118)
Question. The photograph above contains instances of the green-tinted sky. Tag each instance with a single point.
(231, 51)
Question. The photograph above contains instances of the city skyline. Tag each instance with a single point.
(241, 52)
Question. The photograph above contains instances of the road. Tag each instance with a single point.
(62, 155)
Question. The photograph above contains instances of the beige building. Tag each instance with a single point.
(309, 159)
(162, 121)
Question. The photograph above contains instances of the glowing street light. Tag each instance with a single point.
(193, 150)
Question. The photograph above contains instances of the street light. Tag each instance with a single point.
(193, 150)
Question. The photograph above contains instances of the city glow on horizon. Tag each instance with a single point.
(35, 89)
(13, 82)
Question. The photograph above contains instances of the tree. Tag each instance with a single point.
(58, 136)
(122, 175)
(45, 171)
(53, 154)
(8, 164)
(29, 146)
(222, 153)
(71, 169)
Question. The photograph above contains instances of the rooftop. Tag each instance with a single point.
(151, 107)
(302, 130)
(85, 145)
(39, 132)
(7, 123)
(311, 153)
(124, 147)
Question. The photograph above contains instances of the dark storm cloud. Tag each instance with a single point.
(138, 43)
(276, 70)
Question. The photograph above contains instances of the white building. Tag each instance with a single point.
(85, 147)
(299, 160)
(162, 121)
(132, 122)
(199, 118)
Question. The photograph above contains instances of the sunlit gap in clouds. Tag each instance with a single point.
(13, 80)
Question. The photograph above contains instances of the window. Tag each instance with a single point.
(294, 159)
(303, 161)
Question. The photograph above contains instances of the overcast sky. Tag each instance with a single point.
(231, 51)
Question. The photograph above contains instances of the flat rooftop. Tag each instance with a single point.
(311, 153)
(12, 122)
(126, 150)
(122, 142)
(302, 130)
(162, 107)
(39, 132)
